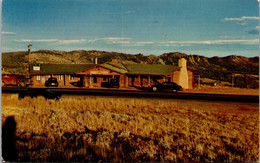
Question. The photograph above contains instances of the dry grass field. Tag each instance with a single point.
(225, 90)
(96, 128)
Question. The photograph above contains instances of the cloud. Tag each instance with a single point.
(51, 40)
(130, 42)
(242, 20)
(115, 38)
(254, 31)
(108, 40)
(210, 42)
(8, 33)
(143, 43)
(148, 42)
(120, 13)
(129, 12)
(175, 45)
(232, 37)
(11, 49)
(71, 41)
(127, 42)
(36, 40)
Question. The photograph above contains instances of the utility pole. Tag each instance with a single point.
(29, 58)
(199, 82)
(29, 53)
(232, 80)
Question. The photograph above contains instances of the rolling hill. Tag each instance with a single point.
(217, 68)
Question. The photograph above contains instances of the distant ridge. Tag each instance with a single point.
(214, 67)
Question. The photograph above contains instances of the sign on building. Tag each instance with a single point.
(36, 68)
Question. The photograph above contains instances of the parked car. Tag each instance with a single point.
(113, 83)
(77, 83)
(15, 80)
(52, 82)
(34, 92)
(167, 86)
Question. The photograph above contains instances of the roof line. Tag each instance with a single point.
(146, 74)
(100, 66)
(193, 71)
(116, 65)
(60, 73)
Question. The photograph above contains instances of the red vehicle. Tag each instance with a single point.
(14, 80)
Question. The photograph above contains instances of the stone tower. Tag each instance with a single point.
(96, 60)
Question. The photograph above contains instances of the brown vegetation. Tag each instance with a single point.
(225, 90)
(94, 128)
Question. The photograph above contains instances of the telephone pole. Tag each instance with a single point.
(29, 58)
(232, 76)
(29, 53)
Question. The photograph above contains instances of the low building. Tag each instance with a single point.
(65, 73)
(127, 73)
(95, 75)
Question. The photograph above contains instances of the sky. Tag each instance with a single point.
(203, 27)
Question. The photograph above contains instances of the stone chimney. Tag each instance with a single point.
(182, 63)
(183, 75)
(115, 60)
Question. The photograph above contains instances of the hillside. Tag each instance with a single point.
(217, 68)
(16, 61)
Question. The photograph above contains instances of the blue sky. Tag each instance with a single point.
(204, 27)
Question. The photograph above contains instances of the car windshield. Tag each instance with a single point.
(52, 79)
(169, 83)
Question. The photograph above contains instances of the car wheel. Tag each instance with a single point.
(57, 98)
(154, 88)
(21, 84)
(21, 96)
(174, 90)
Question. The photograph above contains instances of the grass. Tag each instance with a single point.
(96, 128)
(225, 90)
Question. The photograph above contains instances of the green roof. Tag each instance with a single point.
(59, 68)
(114, 68)
(127, 68)
(150, 69)
(116, 64)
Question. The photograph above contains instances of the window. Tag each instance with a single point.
(38, 77)
(104, 78)
(94, 79)
(60, 77)
(71, 77)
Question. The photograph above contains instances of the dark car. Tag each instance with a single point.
(77, 83)
(171, 86)
(113, 83)
(52, 82)
(34, 92)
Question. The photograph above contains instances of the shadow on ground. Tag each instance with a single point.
(9, 152)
